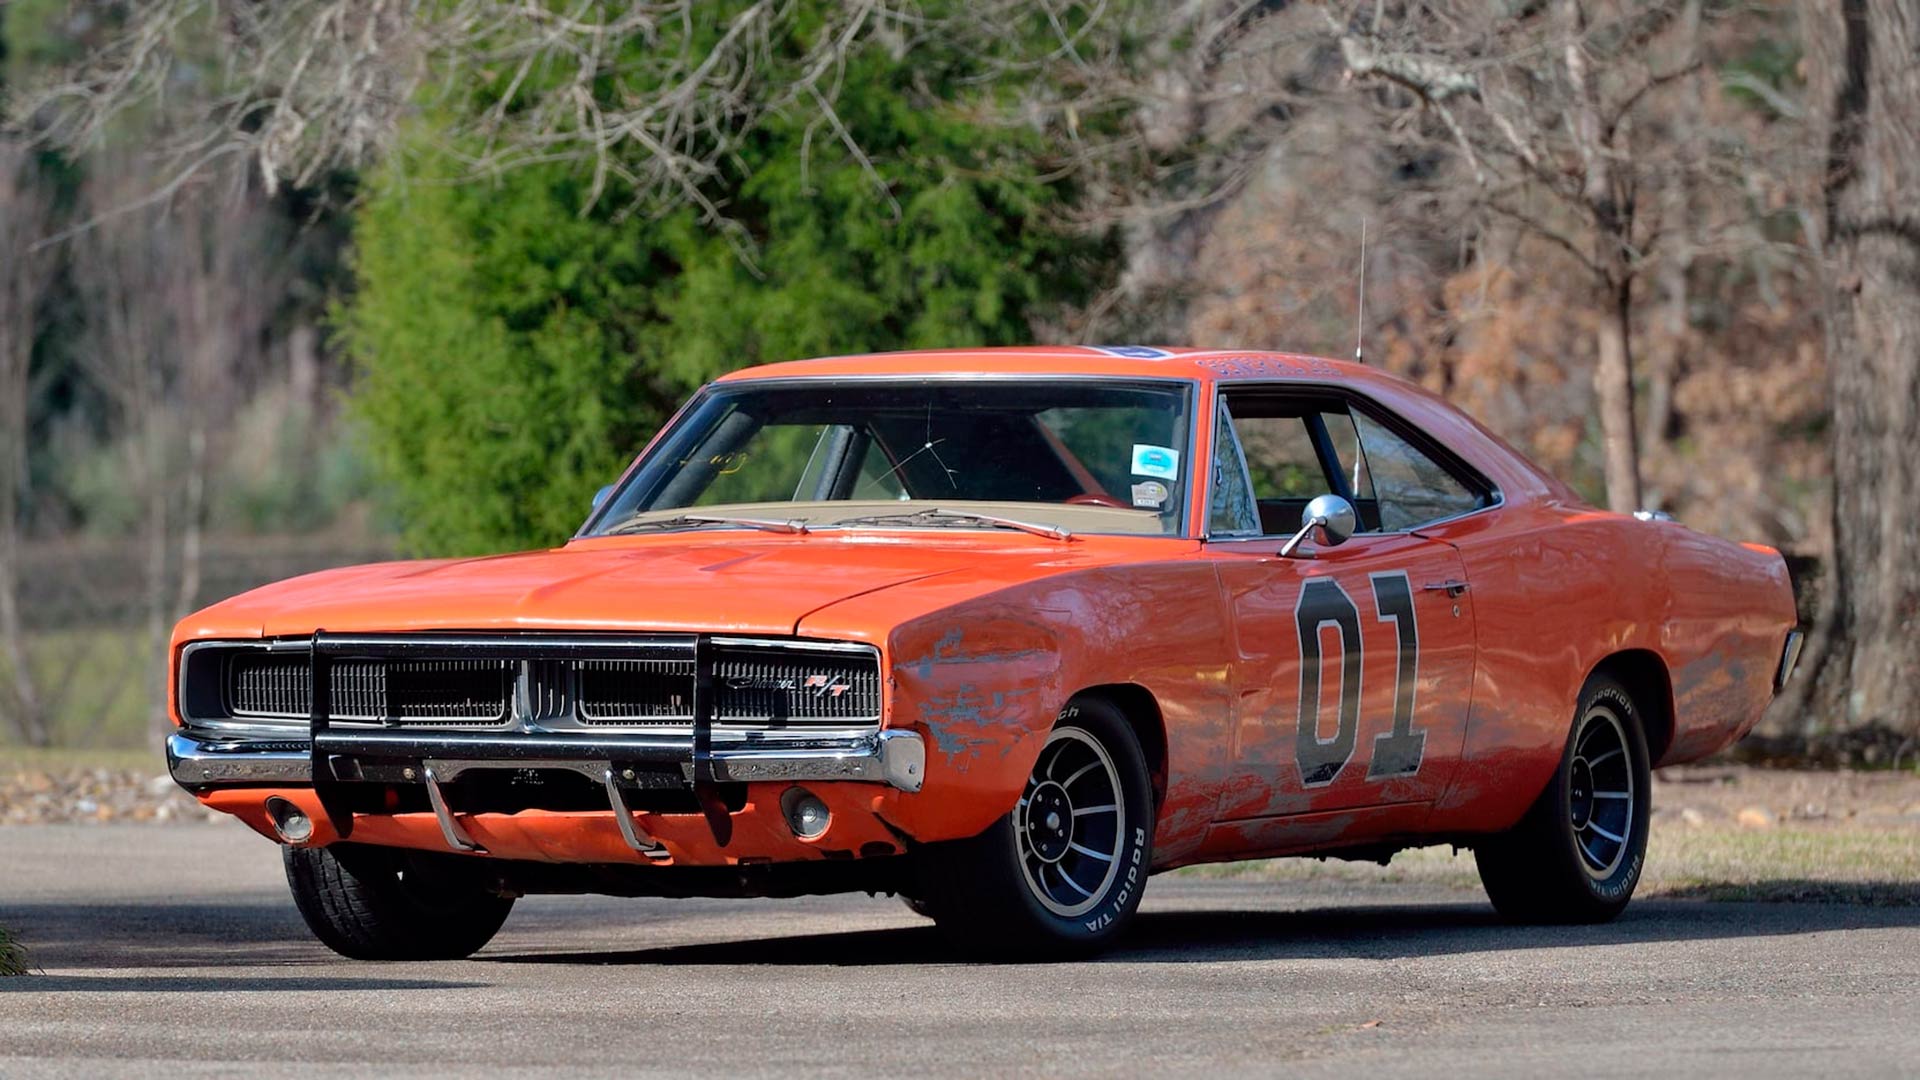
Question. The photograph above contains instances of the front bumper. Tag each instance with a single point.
(213, 767)
(895, 758)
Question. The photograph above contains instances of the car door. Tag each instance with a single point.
(1353, 667)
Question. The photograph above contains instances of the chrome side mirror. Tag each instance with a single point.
(1329, 519)
(601, 496)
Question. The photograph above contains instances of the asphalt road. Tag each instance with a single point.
(175, 952)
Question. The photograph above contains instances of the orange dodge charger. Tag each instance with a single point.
(1004, 632)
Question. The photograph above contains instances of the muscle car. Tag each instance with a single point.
(1003, 632)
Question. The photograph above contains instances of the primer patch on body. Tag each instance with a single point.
(1149, 495)
(1160, 461)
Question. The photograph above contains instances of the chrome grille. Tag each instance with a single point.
(551, 684)
(449, 691)
(627, 691)
(279, 687)
(268, 686)
(769, 686)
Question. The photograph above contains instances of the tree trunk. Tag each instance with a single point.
(22, 705)
(1867, 88)
(21, 211)
(1613, 387)
(1611, 213)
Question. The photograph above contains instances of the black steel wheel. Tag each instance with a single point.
(370, 903)
(1577, 855)
(1070, 825)
(1062, 873)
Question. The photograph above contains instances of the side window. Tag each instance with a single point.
(1409, 487)
(1280, 447)
(1295, 445)
(1345, 437)
(1233, 512)
(1281, 458)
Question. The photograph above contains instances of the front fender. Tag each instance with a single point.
(982, 689)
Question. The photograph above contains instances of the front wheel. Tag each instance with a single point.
(378, 904)
(1061, 874)
(1576, 857)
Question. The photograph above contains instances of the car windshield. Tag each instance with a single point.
(1048, 457)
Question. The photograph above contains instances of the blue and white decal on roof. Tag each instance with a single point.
(1132, 352)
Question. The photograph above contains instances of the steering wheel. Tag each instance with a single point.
(1090, 499)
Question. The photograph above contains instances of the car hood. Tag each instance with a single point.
(721, 583)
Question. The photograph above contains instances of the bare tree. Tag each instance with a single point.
(23, 213)
(1551, 105)
(179, 297)
(1865, 91)
(641, 92)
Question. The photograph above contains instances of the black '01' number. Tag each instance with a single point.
(1324, 603)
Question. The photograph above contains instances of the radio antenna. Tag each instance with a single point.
(1360, 317)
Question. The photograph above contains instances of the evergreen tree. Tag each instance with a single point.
(517, 341)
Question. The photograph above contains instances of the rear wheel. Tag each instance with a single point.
(1577, 855)
(380, 904)
(1061, 874)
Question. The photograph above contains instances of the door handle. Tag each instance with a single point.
(1451, 588)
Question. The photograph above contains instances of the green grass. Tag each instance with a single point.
(13, 956)
(1830, 864)
(96, 681)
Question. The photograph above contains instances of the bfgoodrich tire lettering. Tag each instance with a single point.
(1062, 873)
(375, 904)
(1577, 855)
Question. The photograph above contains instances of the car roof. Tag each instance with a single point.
(1115, 361)
(1515, 476)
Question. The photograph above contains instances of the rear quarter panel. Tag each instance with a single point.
(1730, 608)
(1557, 591)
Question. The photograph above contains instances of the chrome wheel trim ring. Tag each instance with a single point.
(1602, 815)
(1054, 884)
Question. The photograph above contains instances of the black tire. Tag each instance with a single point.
(1577, 855)
(379, 904)
(995, 895)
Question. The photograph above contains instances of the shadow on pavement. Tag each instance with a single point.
(212, 984)
(149, 935)
(1377, 932)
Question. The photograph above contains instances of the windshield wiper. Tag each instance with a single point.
(935, 516)
(681, 521)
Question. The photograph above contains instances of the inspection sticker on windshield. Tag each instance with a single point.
(1160, 461)
(1149, 495)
